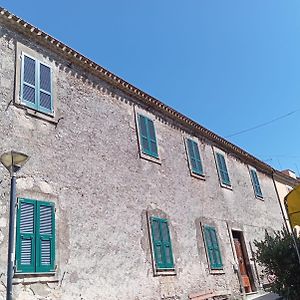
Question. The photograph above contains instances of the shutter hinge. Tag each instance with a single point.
(18, 203)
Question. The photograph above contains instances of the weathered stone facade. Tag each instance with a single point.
(86, 160)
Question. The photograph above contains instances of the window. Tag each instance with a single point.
(147, 135)
(212, 248)
(255, 183)
(161, 243)
(222, 169)
(36, 85)
(194, 157)
(35, 238)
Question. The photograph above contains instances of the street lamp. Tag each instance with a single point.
(13, 162)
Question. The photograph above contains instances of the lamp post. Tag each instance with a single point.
(13, 162)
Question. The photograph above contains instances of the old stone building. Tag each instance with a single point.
(123, 197)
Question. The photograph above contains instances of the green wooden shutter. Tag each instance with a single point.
(45, 237)
(163, 254)
(212, 247)
(157, 243)
(223, 169)
(28, 81)
(45, 93)
(25, 237)
(194, 157)
(167, 247)
(147, 136)
(255, 183)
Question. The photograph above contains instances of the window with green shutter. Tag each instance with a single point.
(222, 169)
(147, 136)
(161, 242)
(194, 157)
(256, 184)
(212, 247)
(36, 85)
(35, 237)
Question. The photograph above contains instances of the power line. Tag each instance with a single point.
(263, 124)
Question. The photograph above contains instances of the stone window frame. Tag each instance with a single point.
(21, 50)
(139, 111)
(199, 143)
(157, 271)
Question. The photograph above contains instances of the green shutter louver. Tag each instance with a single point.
(223, 172)
(35, 246)
(25, 245)
(45, 246)
(161, 242)
(194, 157)
(36, 85)
(256, 184)
(147, 136)
(212, 247)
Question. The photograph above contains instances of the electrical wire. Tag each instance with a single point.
(262, 124)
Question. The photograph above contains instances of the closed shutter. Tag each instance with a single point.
(223, 169)
(209, 245)
(255, 183)
(147, 136)
(45, 97)
(28, 84)
(25, 246)
(212, 246)
(217, 253)
(167, 247)
(45, 245)
(161, 243)
(194, 156)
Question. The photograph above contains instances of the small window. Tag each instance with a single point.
(255, 183)
(147, 135)
(212, 248)
(222, 169)
(194, 157)
(36, 85)
(161, 242)
(35, 238)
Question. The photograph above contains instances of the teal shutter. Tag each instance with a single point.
(223, 172)
(45, 237)
(255, 183)
(35, 237)
(45, 96)
(147, 136)
(162, 247)
(36, 85)
(212, 246)
(28, 81)
(25, 237)
(194, 157)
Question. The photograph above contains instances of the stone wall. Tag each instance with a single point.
(87, 162)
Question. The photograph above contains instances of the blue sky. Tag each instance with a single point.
(229, 65)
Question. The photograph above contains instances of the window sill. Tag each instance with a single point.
(216, 272)
(228, 187)
(202, 177)
(150, 158)
(165, 272)
(259, 198)
(35, 277)
(34, 113)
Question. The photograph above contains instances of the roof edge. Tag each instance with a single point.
(128, 88)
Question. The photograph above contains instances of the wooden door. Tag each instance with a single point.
(242, 265)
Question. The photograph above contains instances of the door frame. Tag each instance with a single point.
(240, 231)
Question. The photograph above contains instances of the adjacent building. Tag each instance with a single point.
(123, 197)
